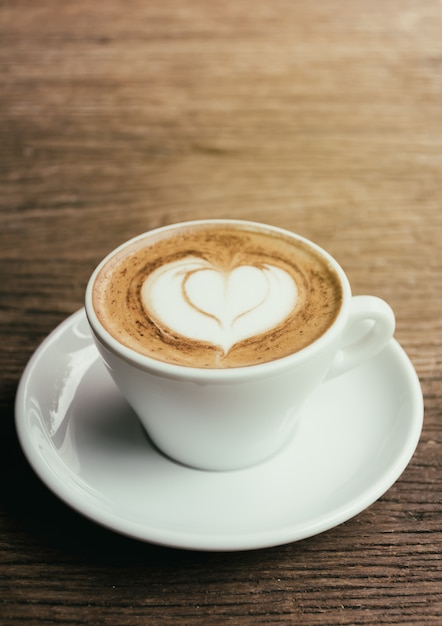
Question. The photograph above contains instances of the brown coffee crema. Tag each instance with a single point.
(119, 307)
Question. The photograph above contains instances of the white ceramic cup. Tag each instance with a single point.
(225, 419)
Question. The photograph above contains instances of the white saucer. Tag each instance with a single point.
(356, 437)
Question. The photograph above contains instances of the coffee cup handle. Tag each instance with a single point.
(369, 328)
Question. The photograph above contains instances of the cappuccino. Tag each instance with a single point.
(217, 295)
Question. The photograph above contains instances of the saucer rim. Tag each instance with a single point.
(210, 541)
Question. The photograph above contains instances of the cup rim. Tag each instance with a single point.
(200, 374)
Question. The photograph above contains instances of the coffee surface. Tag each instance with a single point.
(217, 295)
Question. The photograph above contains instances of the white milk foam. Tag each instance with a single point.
(195, 299)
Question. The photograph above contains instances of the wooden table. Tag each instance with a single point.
(320, 117)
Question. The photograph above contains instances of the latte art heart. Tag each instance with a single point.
(198, 301)
(217, 295)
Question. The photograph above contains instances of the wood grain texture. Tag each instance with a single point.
(321, 117)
